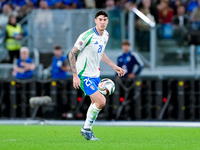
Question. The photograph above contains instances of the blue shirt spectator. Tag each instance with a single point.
(128, 60)
(192, 5)
(52, 2)
(60, 65)
(24, 2)
(70, 4)
(19, 2)
(24, 68)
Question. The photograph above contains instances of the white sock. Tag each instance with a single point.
(92, 114)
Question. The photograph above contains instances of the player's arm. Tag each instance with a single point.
(65, 66)
(28, 66)
(109, 62)
(72, 60)
(18, 69)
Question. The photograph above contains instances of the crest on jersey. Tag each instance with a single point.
(92, 87)
(80, 43)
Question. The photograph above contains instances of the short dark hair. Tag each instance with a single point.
(101, 12)
(57, 47)
(125, 42)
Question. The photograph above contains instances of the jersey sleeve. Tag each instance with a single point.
(82, 40)
(139, 62)
(138, 59)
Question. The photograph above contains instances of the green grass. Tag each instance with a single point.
(111, 138)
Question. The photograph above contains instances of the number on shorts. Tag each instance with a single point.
(87, 82)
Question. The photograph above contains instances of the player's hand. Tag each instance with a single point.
(119, 71)
(76, 81)
(18, 37)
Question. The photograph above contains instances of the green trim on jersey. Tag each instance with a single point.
(87, 34)
(89, 41)
(78, 54)
(80, 74)
(82, 86)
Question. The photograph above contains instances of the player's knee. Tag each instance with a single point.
(102, 102)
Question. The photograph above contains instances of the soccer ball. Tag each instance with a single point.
(106, 86)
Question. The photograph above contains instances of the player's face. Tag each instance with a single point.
(24, 55)
(101, 22)
(125, 48)
(57, 53)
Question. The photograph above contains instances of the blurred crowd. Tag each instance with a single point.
(177, 16)
(162, 10)
(177, 12)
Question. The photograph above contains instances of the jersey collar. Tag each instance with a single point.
(95, 31)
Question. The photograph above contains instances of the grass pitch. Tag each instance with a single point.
(111, 138)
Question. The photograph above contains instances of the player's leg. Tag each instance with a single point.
(90, 87)
(98, 102)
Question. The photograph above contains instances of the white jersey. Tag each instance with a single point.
(91, 46)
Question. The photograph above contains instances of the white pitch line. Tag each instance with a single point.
(102, 123)
(14, 140)
(128, 123)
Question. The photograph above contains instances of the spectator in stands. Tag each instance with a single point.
(165, 13)
(195, 18)
(128, 60)
(191, 5)
(90, 3)
(13, 38)
(4, 17)
(60, 64)
(21, 3)
(175, 5)
(53, 3)
(43, 22)
(154, 10)
(120, 4)
(18, 3)
(180, 25)
(24, 7)
(143, 35)
(110, 5)
(69, 4)
(24, 68)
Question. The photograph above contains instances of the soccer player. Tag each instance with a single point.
(85, 59)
